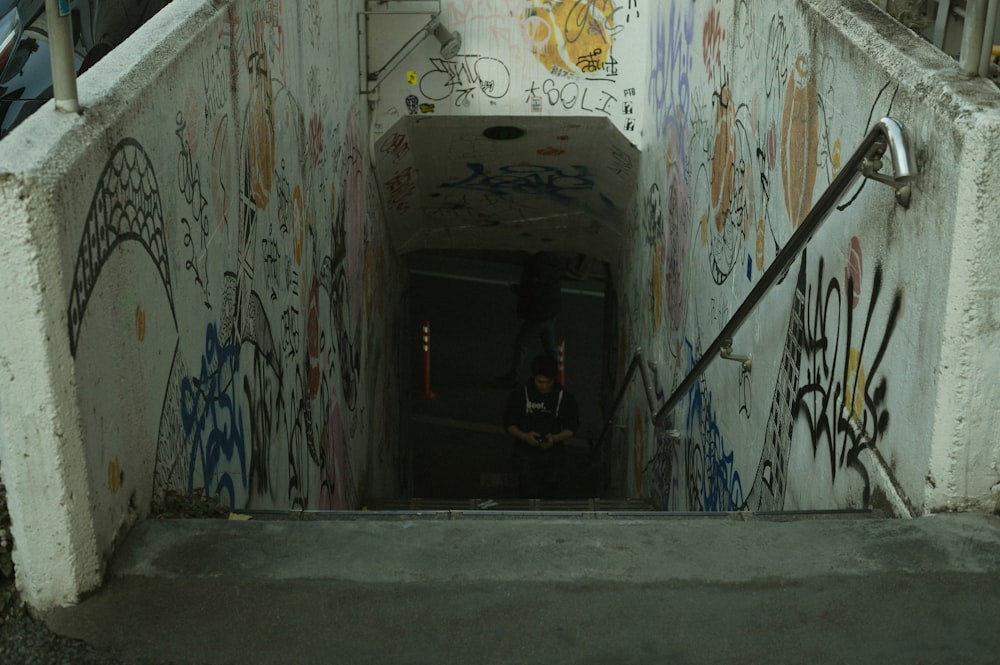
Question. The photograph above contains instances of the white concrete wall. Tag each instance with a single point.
(891, 386)
(205, 297)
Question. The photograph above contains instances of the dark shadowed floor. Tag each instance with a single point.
(459, 449)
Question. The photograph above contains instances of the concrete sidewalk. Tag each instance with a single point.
(481, 587)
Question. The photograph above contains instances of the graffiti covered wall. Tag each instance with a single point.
(204, 293)
(755, 107)
(233, 307)
(521, 58)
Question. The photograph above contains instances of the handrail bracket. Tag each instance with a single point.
(726, 352)
(871, 166)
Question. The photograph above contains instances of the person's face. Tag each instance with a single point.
(543, 383)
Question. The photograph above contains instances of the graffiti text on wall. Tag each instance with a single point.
(570, 96)
(842, 401)
(461, 78)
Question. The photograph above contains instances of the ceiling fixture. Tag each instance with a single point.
(451, 42)
(503, 133)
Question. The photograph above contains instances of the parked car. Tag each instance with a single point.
(25, 66)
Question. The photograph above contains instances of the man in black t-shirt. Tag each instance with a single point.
(540, 416)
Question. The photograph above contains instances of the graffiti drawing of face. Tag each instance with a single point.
(411, 103)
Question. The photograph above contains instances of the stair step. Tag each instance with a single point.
(519, 505)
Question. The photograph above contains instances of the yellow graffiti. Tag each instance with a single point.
(411, 77)
(114, 476)
(836, 158)
(800, 140)
(140, 323)
(854, 391)
(571, 36)
(298, 224)
(260, 131)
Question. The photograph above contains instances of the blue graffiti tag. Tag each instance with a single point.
(212, 419)
(722, 489)
(526, 180)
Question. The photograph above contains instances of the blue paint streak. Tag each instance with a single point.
(212, 419)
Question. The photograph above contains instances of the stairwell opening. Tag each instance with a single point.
(464, 304)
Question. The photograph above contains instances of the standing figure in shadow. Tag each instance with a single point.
(540, 416)
(538, 304)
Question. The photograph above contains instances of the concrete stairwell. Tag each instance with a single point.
(460, 570)
(460, 456)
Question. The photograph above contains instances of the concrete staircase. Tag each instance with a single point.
(514, 505)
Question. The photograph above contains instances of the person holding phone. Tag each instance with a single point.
(540, 416)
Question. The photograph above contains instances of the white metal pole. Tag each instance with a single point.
(972, 37)
(989, 37)
(60, 28)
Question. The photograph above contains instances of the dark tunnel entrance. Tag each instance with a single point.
(459, 451)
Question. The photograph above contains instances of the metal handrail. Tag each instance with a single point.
(636, 364)
(865, 161)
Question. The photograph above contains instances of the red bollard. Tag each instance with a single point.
(427, 393)
(562, 362)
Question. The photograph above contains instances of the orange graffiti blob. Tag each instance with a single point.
(854, 391)
(723, 160)
(799, 140)
(140, 323)
(114, 475)
(550, 152)
(260, 131)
